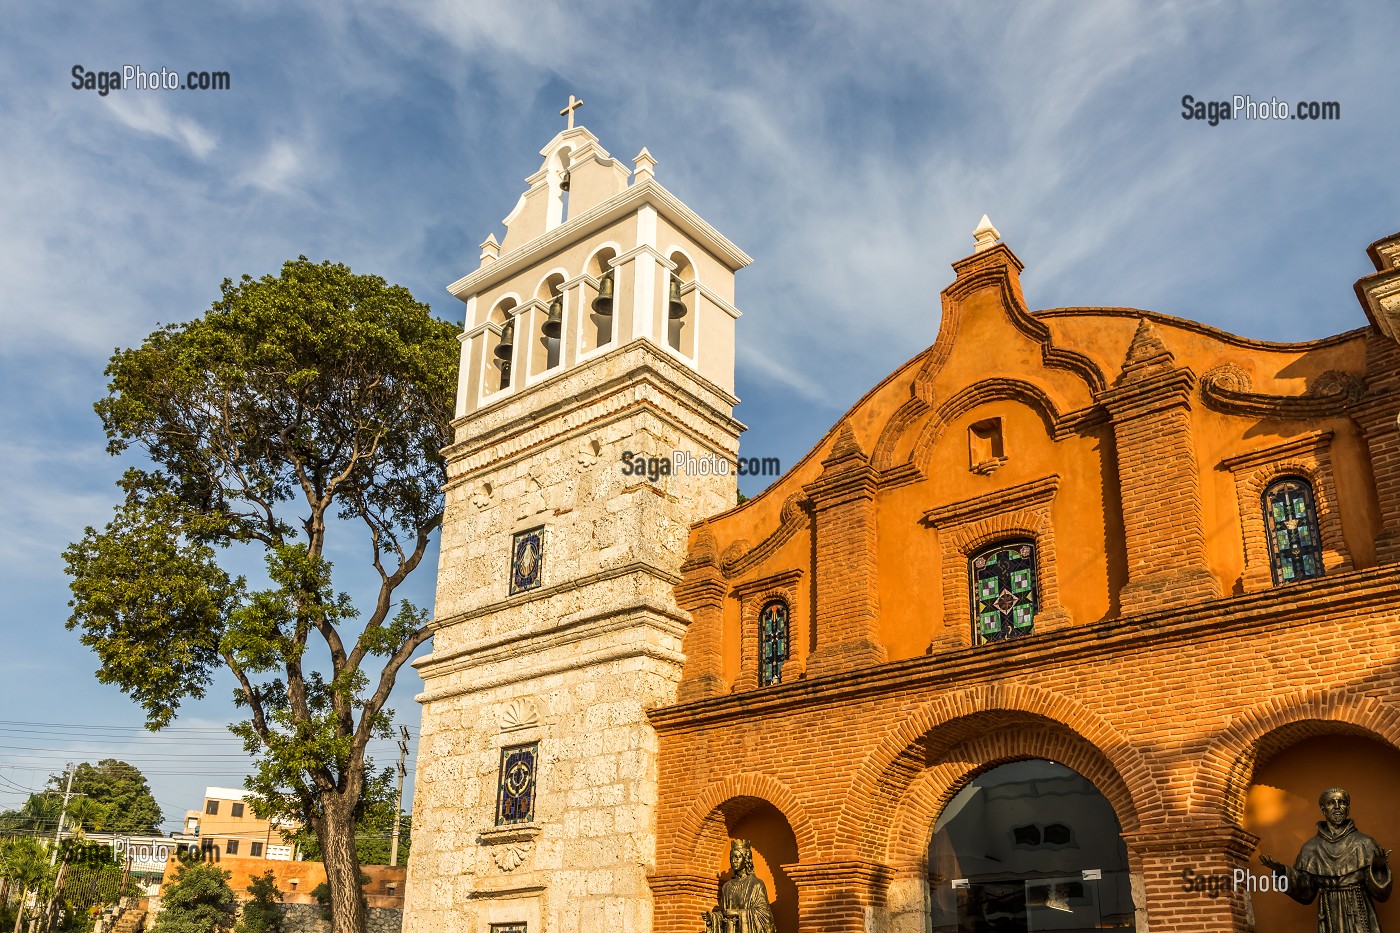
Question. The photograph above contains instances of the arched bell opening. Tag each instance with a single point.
(496, 375)
(550, 329)
(773, 843)
(600, 302)
(681, 305)
(1029, 845)
(1293, 765)
(559, 183)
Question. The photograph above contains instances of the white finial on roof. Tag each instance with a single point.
(490, 250)
(644, 165)
(985, 235)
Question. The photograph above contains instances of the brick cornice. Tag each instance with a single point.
(787, 578)
(1185, 839)
(1296, 606)
(1170, 389)
(1034, 494)
(665, 884)
(1306, 444)
(697, 591)
(848, 484)
(841, 874)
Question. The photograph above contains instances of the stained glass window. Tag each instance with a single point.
(515, 791)
(1290, 520)
(526, 560)
(772, 642)
(508, 928)
(1003, 591)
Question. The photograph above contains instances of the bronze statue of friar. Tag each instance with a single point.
(743, 901)
(1343, 868)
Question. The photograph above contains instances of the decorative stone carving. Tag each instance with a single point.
(512, 855)
(518, 714)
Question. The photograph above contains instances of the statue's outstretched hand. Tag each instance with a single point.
(1382, 858)
(1273, 863)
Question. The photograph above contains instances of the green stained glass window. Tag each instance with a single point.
(772, 642)
(1295, 551)
(1004, 597)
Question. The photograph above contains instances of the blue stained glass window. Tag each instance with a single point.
(515, 791)
(526, 560)
(772, 642)
(1295, 548)
(1004, 597)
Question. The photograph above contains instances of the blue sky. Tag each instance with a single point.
(850, 148)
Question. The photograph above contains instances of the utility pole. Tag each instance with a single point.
(58, 836)
(398, 802)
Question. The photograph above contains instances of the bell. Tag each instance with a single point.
(676, 308)
(564, 182)
(503, 349)
(603, 303)
(554, 323)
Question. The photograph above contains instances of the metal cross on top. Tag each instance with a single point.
(569, 110)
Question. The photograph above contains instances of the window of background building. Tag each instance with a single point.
(211, 807)
(231, 847)
(256, 850)
(237, 810)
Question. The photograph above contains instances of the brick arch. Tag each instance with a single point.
(733, 797)
(890, 769)
(906, 849)
(988, 390)
(1228, 765)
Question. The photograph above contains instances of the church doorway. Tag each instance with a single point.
(1030, 845)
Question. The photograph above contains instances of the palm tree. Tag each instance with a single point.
(25, 862)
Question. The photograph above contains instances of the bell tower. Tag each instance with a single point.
(599, 335)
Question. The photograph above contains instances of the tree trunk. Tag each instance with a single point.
(19, 912)
(336, 834)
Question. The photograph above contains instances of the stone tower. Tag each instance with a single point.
(556, 623)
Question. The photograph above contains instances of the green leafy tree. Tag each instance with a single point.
(199, 900)
(111, 796)
(261, 913)
(299, 410)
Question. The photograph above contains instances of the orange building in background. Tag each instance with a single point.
(1061, 626)
(229, 824)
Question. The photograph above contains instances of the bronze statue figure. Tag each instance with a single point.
(1345, 869)
(743, 901)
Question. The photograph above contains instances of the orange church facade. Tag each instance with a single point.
(1070, 537)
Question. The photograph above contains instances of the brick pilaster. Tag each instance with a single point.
(1159, 480)
(680, 899)
(846, 614)
(701, 593)
(1174, 857)
(838, 897)
(1379, 416)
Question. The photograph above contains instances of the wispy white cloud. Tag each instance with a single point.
(146, 112)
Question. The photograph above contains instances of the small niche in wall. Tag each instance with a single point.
(986, 447)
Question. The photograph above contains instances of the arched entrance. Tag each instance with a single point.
(1027, 846)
